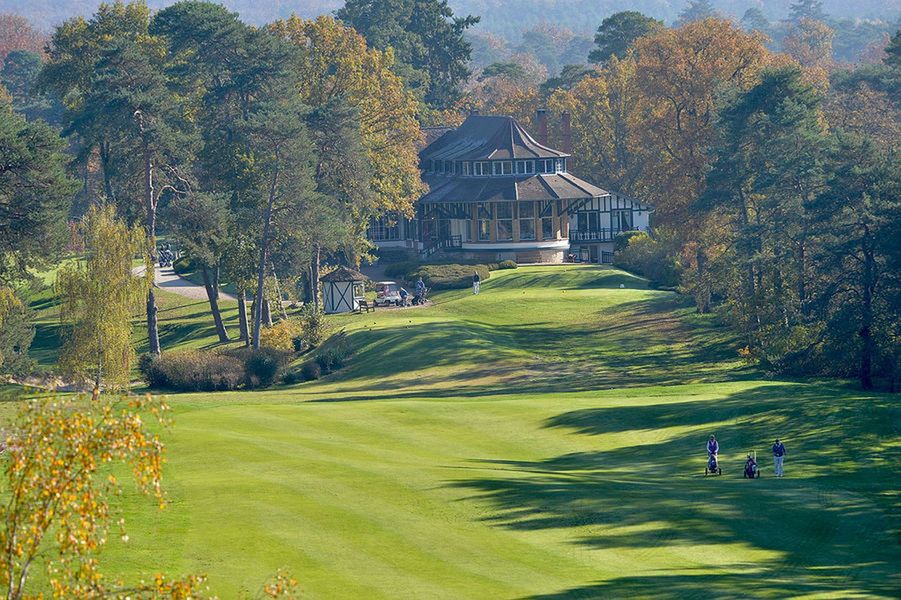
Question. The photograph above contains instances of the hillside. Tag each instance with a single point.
(544, 439)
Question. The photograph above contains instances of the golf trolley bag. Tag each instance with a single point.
(752, 471)
(713, 467)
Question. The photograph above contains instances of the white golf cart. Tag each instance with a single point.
(387, 293)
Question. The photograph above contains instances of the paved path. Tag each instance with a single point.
(167, 279)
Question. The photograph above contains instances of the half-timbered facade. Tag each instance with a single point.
(497, 193)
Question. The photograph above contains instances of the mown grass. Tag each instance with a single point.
(544, 439)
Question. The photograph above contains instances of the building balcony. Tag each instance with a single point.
(595, 235)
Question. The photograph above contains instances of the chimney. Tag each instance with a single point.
(541, 121)
(566, 132)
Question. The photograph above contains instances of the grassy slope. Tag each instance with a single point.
(544, 439)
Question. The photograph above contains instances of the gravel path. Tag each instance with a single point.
(167, 279)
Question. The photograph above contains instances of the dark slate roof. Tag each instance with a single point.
(430, 134)
(344, 274)
(559, 186)
(487, 138)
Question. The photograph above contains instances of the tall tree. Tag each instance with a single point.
(809, 41)
(681, 72)
(227, 73)
(35, 194)
(858, 218)
(426, 37)
(806, 9)
(696, 10)
(617, 32)
(99, 296)
(16, 334)
(334, 67)
(202, 224)
(17, 33)
(286, 162)
(767, 169)
(754, 20)
(608, 114)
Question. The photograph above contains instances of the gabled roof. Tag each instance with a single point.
(343, 274)
(544, 187)
(487, 138)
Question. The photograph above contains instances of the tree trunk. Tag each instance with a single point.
(267, 313)
(153, 332)
(212, 294)
(242, 317)
(278, 292)
(261, 266)
(314, 275)
(104, 151)
(868, 345)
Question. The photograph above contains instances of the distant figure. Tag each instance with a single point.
(420, 292)
(750, 467)
(403, 296)
(778, 456)
(476, 282)
(713, 447)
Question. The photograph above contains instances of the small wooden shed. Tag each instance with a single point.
(342, 290)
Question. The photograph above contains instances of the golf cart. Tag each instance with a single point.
(387, 293)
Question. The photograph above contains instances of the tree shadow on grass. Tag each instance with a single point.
(831, 526)
(640, 343)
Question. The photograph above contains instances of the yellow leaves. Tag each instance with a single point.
(335, 62)
(57, 447)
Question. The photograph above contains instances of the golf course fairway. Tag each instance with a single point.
(544, 439)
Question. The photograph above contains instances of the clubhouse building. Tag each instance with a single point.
(497, 193)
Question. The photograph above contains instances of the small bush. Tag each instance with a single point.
(506, 264)
(282, 335)
(263, 367)
(311, 371)
(192, 371)
(313, 325)
(334, 354)
(622, 240)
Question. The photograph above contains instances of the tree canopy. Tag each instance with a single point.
(617, 33)
(427, 40)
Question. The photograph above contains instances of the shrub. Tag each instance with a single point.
(507, 264)
(446, 277)
(192, 371)
(311, 371)
(651, 257)
(282, 336)
(263, 367)
(622, 240)
(401, 270)
(313, 325)
(334, 355)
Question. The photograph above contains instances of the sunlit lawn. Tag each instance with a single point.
(543, 439)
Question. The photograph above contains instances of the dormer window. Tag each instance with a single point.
(481, 168)
(448, 167)
(503, 167)
(525, 167)
(466, 168)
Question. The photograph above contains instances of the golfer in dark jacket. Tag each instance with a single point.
(778, 456)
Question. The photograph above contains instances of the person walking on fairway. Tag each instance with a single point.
(713, 447)
(778, 456)
(476, 282)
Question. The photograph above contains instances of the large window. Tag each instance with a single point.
(383, 230)
(504, 221)
(481, 168)
(547, 228)
(525, 167)
(621, 220)
(484, 214)
(526, 220)
(466, 168)
(449, 167)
